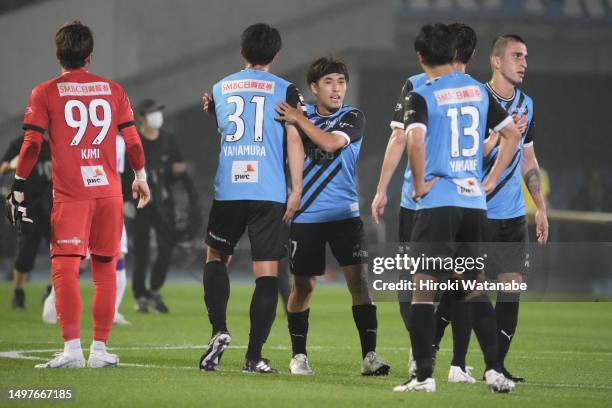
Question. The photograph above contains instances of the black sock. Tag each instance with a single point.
(421, 336)
(298, 330)
(367, 325)
(263, 312)
(482, 315)
(405, 298)
(506, 310)
(462, 328)
(443, 316)
(216, 294)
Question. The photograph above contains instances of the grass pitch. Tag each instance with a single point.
(563, 349)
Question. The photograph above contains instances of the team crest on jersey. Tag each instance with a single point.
(244, 171)
(94, 176)
(247, 85)
(458, 95)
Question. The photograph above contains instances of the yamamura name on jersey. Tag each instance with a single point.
(244, 150)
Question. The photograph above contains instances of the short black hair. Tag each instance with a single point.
(499, 44)
(260, 43)
(74, 43)
(324, 66)
(465, 41)
(436, 44)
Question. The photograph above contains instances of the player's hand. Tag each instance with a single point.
(293, 204)
(541, 221)
(207, 105)
(521, 122)
(140, 191)
(488, 186)
(378, 206)
(16, 207)
(288, 113)
(425, 189)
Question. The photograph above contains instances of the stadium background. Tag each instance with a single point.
(173, 51)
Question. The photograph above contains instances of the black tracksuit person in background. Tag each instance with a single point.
(38, 190)
(163, 162)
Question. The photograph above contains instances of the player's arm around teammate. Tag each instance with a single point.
(329, 212)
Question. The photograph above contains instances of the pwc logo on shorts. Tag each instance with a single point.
(94, 176)
(245, 171)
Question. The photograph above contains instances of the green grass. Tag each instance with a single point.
(563, 349)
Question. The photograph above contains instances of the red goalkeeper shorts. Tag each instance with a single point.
(89, 224)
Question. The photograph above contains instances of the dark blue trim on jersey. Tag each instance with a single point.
(505, 180)
(320, 188)
(318, 174)
(309, 168)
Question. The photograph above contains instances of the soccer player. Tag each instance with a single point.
(250, 191)
(465, 42)
(49, 314)
(82, 113)
(507, 226)
(446, 120)
(329, 212)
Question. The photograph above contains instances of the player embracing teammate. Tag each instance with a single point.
(329, 212)
(82, 113)
(446, 121)
(251, 192)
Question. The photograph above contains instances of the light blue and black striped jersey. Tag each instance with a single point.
(253, 143)
(456, 112)
(506, 200)
(330, 179)
(397, 122)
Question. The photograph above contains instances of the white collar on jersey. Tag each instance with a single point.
(327, 116)
(498, 96)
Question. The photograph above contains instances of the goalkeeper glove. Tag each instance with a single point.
(16, 208)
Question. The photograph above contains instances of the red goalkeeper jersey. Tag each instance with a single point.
(82, 113)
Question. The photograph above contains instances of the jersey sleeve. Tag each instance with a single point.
(397, 121)
(125, 115)
(530, 133)
(36, 116)
(497, 116)
(351, 126)
(294, 97)
(415, 112)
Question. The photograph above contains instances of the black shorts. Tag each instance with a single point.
(449, 232)
(345, 238)
(507, 246)
(28, 239)
(406, 223)
(267, 232)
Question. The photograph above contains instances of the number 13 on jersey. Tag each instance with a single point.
(471, 130)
